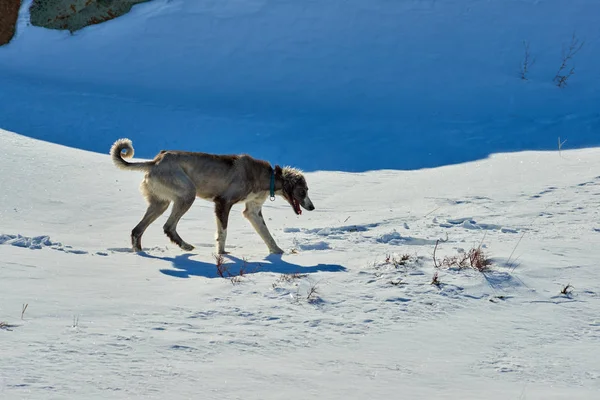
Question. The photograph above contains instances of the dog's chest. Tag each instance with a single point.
(259, 197)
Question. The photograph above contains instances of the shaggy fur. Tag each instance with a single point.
(179, 177)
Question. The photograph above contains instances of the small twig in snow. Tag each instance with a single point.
(435, 264)
(567, 290)
(24, 309)
(436, 281)
(513, 252)
(561, 77)
(432, 211)
(560, 145)
(527, 62)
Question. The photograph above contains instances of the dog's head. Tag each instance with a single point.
(294, 188)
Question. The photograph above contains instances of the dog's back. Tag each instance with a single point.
(215, 175)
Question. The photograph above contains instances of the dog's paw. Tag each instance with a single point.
(276, 251)
(187, 247)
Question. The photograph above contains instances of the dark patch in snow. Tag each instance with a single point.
(341, 229)
(180, 347)
(395, 238)
(397, 300)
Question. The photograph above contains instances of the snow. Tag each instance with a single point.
(104, 322)
(417, 137)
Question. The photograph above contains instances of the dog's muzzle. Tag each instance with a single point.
(307, 204)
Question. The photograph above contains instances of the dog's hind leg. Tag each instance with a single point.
(253, 213)
(222, 209)
(180, 207)
(173, 184)
(155, 209)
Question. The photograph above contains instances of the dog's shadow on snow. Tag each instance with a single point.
(183, 266)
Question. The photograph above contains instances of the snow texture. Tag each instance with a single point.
(104, 322)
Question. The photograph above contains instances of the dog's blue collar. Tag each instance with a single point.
(272, 186)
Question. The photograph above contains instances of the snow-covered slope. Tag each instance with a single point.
(102, 322)
(418, 83)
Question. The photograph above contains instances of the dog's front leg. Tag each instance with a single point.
(222, 209)
(253, 212)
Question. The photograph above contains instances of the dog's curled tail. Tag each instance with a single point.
(122, 149)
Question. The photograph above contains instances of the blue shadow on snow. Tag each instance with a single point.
(183, 266)
(317, 141)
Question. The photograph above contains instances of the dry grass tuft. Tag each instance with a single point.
(289, 278)
(223, 270)
(435, 281)
(474, 258)
(398, 260)
(312, 294)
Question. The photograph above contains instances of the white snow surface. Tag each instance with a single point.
(103, 322)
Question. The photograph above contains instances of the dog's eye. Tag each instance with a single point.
(302, 193)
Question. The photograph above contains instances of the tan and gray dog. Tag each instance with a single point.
(180, 177)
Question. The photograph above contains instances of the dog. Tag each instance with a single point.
(179, 177)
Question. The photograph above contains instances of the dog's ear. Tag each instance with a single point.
(285, 183)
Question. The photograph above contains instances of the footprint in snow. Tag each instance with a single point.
(395, 238)
(471, 224)
(333, 231)
(397, 300)
(592, 182)
(550, 189)
(307, 246)
(33, 243)
(36, 243)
